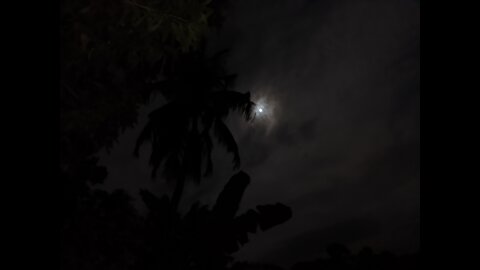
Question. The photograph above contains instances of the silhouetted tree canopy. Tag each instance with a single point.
(110, 51)
(108, 233)
(200, 98)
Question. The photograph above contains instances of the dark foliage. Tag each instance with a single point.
(340, 258)
(107, 233)
(200, 98)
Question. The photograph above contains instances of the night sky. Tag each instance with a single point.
(338, 140)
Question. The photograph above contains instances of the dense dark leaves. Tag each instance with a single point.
(110, 50)
(181, 131)
(107, 233)
(227, 140)
(207, 238)
(228, 201)
(271, 215)
(103, 232)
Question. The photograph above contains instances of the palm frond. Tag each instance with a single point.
(226, 139)
(173, 168)
(208, 153)
(228, 201)
(145, 135)
(194, 153)
(226, 101)
(165, 128)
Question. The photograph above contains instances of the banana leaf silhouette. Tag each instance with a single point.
(205, 238)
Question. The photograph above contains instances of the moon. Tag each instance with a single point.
(266, 109)
(261, 109)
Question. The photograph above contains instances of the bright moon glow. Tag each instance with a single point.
(262, 110)
(266, 109)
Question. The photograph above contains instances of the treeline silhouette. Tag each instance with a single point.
(103, 230)
(339, 257)
(106, 232)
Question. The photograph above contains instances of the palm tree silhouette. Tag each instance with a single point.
(200, 98)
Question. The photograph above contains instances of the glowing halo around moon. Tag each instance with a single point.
(262, 109)
(265, 111)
